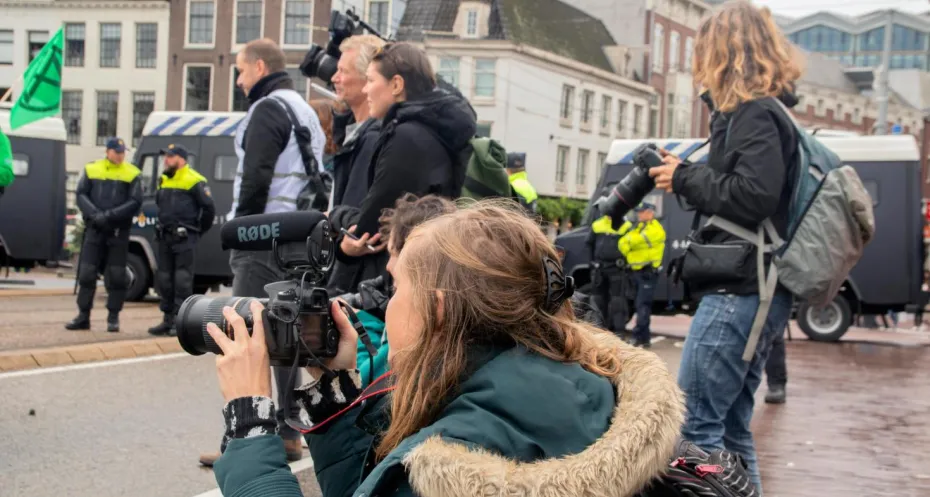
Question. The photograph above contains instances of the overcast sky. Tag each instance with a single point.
(798, 8)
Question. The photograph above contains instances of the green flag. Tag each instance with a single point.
(41, 96)
(6, 161)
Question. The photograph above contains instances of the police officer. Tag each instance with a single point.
(516, 169)
(109, 195)
(185, 213)
(644, 247)
(609, 272)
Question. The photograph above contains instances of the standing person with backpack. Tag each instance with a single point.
(280, 148)
(423, 148)
(747, 180)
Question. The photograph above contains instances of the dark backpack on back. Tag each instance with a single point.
(316, 194)
(692, 472)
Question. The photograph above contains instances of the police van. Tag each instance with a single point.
(208, 136)
(887, 278)
(32, 210)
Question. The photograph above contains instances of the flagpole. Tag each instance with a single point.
(9, 91)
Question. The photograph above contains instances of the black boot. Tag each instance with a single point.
(776, 395)
(81, 322)
(166, 327)
(113, 322)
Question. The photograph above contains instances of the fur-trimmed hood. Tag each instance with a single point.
(646, 421)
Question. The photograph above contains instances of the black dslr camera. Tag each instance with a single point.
(633, 188)
(372, 297)
(321, 62)
(299, 329)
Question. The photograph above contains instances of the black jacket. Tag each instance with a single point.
(113, 189)
(263, 141)
(353, 158)
(420, 150)
(184, 199)
(746, 177)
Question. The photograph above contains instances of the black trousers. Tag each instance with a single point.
(103, 252)
(610, 295)
(175, 273)
(646, 280)
(776, 369)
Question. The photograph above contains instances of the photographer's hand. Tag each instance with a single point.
(347, 350)
(244, 369)
(664, 174)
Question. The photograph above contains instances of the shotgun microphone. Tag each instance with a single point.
(260, 231)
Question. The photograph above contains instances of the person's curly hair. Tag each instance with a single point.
(409, 212)
(325, 108)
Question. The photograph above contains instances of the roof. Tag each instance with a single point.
(857, 24)
(192, 123)
(49, 128)
(549, 25)
(885, 148)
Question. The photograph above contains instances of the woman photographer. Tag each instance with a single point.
(495, 385)
(424, 132)
(744, 63)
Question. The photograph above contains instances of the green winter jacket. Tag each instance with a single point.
(521, 424)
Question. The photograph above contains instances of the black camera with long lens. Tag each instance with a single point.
(298, 324)
(372, 297)
(633, 188)
(320, 62)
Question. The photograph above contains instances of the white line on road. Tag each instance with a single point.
(90, 365)
(296, 467)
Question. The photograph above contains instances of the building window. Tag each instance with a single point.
(484, 77)
(197, 88)
(20, 165)
(240, 102)
(298, 20)
(637, 118)
(72, 104)
(670, 115)
(378, 15)
(873, 41)
(621, 115)
(110, 38)
(449, 70)
(200, 23)
(561, 163)
(6, 46)
(587, 102)
(689, 54)
(857, 118)
(74, 44)
(821, 111)
(568, 101)
(674, 49)
(605, 112)
(654, 123)
(146, 44)
(225, 167)
(300, 81)
(601, 164)
(839, 112)
(142, 105)
(484, 130)
(37, 40)
(658, 47)
(248, 21)
(581, 174)
(471, 24)
(107, 106)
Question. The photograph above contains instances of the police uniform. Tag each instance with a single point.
(519, 182)
(609, 273)
(109, 196)
(185, 212)
(644, 247)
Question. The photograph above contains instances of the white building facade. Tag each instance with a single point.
(563, 114)
(115, 61)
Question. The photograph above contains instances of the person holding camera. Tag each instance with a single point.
(643, 247)
(109, 195)
(185, 213)
(274, 172)
(483, 342)
(745, 63)
(425, 134)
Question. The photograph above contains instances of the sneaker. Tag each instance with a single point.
(81, 322)
(776, 395)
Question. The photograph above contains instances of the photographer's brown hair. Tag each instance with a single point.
(411, 64)
(409, 212)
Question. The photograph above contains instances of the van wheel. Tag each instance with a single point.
(139, 278)
(828, 324)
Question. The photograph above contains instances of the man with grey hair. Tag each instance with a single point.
(273, 176)
(356, 134)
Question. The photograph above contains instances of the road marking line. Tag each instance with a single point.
(91, 365)
(296, 467)
(656, 340)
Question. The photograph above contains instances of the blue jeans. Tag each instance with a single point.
(719, 386)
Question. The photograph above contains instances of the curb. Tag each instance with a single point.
(19, 360)
(37, 292)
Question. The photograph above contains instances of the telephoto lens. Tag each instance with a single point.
(199, 310)
(633, 188)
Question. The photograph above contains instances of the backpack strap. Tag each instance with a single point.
(311, 166)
